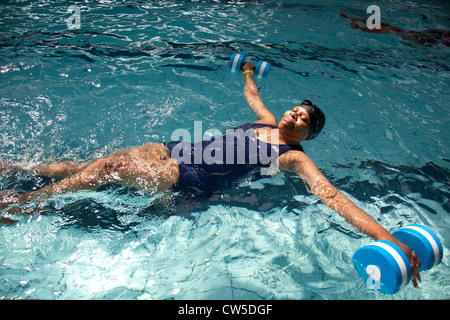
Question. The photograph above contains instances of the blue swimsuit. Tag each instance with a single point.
(218, 162)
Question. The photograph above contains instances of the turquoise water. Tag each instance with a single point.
(136, 71)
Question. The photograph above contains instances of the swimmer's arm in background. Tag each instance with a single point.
(254, 100)
(385, 27)
(300, 163)
(443, 32)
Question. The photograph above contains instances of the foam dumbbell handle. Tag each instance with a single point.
(262, 69)
(383, 266)
(423, 242)
(236, 62)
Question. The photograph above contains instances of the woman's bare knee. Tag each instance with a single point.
(148, 168)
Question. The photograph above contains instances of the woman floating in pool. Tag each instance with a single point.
(154, 166)
(431, 37)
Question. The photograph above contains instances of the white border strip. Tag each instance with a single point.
(397, 258)
(430, 240)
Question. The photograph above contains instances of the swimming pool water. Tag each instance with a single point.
(135, 71)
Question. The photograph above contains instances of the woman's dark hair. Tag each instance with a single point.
(316, 117)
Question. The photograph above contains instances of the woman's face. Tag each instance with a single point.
(295, 124)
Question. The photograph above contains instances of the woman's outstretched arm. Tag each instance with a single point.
(300, 163)
(254, 100)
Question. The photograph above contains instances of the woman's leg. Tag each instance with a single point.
(60, 169)
(147, 167)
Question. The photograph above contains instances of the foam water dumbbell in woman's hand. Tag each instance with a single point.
(237, 61)
(384, 266)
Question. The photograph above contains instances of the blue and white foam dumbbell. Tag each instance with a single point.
(237, 60)
(423, 242)
(386, 268)
(262, 69)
